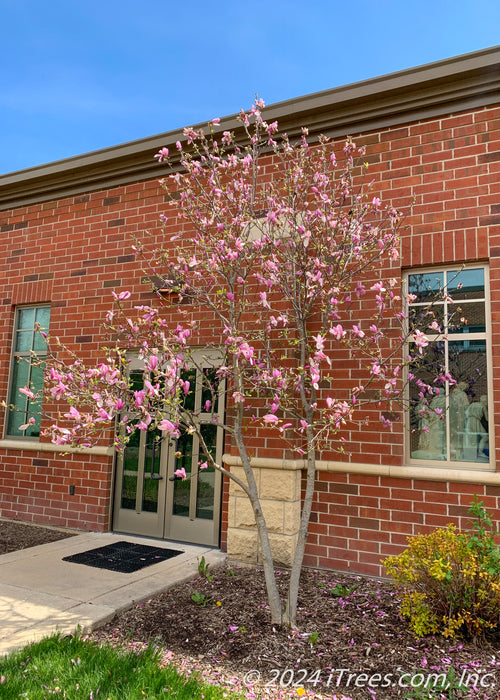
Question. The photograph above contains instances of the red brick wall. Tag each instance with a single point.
(452, 165)
(35, 486)
(359, 519)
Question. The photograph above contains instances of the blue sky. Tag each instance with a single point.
(79, 75)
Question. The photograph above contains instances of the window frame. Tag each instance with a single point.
(452, 464)
(18, 356)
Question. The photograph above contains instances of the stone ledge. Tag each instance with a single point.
(34, 446)
(427, 473)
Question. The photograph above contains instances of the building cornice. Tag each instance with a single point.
(470, 81)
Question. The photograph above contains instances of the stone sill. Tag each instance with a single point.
(34, 446)
(420, 473)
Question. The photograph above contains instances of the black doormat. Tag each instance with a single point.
(124, 557)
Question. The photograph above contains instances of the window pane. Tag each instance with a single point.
(425, 286)
(131, 452)
(26, 318)
(467, 318)
(206, 477)
(20, 378)
(450, 424)
(34, 408)
(422, 317)
(136, 380)
(182, 489)
(469, 401)
(24, 341)
(189, 375)
(151, 467)
(42, 317)
(466, 284)
(210, 389)
(39, 342)
(129, 490)
(17, 417)
(428, 405)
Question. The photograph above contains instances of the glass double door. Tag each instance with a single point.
(150, 500)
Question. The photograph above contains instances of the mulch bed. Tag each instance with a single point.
(349, 643)
(345, 622)
(15, 535)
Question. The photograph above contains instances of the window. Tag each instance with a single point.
(28, 343)
(450, 393)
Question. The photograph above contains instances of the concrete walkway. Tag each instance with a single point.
(40, 593)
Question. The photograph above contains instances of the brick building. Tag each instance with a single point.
(432, 132)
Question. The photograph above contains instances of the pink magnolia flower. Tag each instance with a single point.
(168, 427)
(358, 332)
(139, 397)
(181, 473)
(27, 392)
(246, 350)
(121, 296)
(104, 415)
(378, 287)
(337, 331)
(270, 418)
(144, 423)
(162, 155)
(73, 414)
(31, 421)
(153, 362)
(263, 300)
(320, 342)
(203, 465)
(58, 390)
(421, 340)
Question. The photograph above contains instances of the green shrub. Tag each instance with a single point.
(450, 580)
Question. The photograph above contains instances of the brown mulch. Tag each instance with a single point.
(15, 535)
(344, 622)
(349, 643)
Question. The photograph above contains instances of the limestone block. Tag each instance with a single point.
(243, 514)
(283, 549)
(242, 545)
(291, 520)
(273, 514)
(234, 489)
(280, 484)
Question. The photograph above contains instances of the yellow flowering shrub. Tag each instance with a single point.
(450, 580)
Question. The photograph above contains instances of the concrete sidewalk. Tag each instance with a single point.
(40, 593)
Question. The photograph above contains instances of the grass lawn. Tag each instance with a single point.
(69, 667)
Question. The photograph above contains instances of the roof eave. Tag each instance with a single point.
(457, 84)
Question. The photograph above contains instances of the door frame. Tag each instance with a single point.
(164, 524)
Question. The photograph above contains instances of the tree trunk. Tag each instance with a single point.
(290, 613)
(273, 596)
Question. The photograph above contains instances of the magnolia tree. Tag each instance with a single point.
(284, 248)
